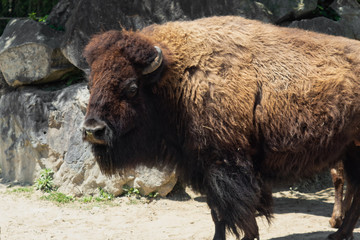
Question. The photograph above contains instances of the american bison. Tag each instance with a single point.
(231, 103)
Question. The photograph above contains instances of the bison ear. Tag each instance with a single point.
(155, 64)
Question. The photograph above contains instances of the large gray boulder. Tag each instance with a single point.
(30, 53)
(89, 178)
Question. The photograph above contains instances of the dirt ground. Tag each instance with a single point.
(298, 216)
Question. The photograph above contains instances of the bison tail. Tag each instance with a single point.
(236, 195)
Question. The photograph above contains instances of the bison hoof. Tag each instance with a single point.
(336, 222)
(339, 236)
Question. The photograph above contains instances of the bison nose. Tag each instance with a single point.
(95, 131)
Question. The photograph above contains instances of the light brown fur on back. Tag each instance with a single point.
(308, 82)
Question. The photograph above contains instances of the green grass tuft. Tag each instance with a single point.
(23, 190)
(45, 181)
(58, 197)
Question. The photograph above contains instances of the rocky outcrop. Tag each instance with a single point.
(92, 16)
(89, 178)
(40, 124)
(42, 129)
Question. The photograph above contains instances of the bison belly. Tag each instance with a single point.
(300, 137)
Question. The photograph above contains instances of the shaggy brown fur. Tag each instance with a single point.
(236, 103)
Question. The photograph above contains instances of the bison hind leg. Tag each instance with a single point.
(352, 169)
(234, 196)
(338, 179)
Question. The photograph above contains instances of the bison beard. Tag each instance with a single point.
(104, 155)
(233, 104)
(127, 151)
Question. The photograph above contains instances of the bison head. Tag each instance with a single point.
(122, 122)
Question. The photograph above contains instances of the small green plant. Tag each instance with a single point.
(104, 196)
(33, 16)
(45, 182)
(153, 195)
(135, 192)
(58, 197)
(327, 12)
(130, 191)
(43, 19)
(86, 199)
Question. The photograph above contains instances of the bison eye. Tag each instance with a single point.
(132, 90)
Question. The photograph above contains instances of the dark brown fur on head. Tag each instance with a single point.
(119, 98)
(138, 50)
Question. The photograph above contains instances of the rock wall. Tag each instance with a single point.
(41, 128)
(41, 112)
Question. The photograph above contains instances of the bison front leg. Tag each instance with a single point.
(233, 194)
(252, 236)
(220, 232)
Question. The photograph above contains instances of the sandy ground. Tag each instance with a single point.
(297, 216)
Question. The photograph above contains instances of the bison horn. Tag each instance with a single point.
(155, 64)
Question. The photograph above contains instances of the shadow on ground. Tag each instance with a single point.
(295, 205)
(310, 236)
